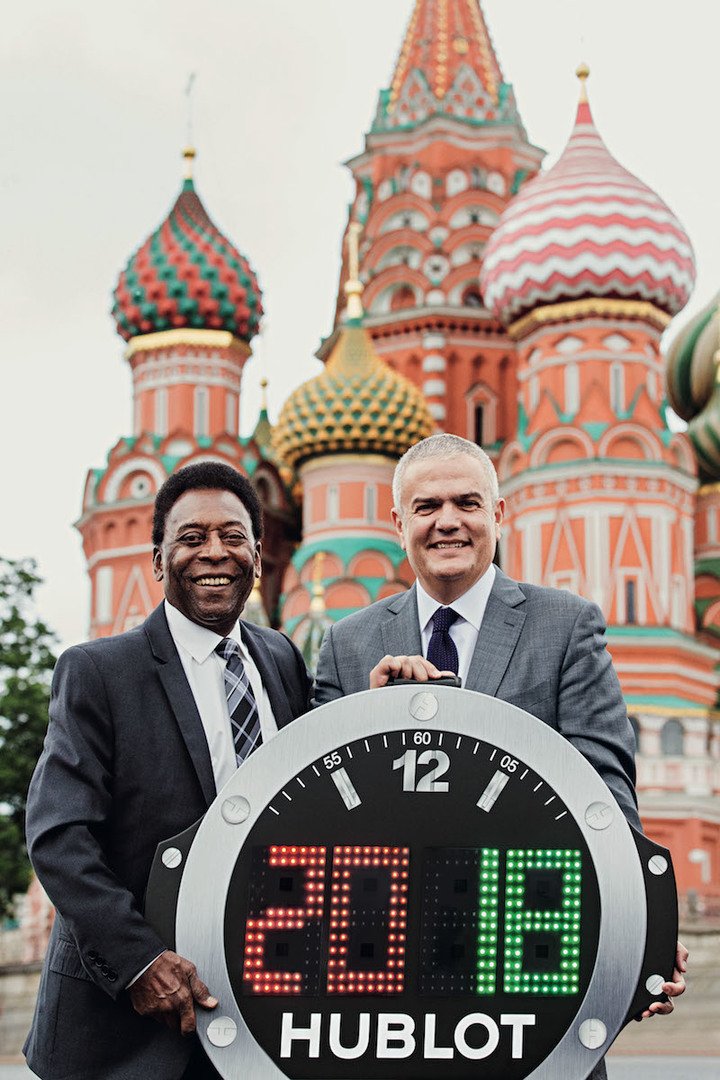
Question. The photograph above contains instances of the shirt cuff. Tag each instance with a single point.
(133, 981)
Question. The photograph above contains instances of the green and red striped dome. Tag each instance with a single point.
(187, 274)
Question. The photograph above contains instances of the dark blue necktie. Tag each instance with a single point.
(441, 650)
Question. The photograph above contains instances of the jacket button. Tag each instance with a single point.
(104, 969)
(92, 956)
(112, 976)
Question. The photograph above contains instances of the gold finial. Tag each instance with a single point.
(263, 393)
(353, 285)
(583, 73)
(189, 155)
(317, 603)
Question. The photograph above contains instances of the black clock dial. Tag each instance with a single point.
(411, 900)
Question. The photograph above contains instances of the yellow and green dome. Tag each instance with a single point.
(357, 405)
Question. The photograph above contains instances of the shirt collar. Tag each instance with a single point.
(198, 640)
(470, 606)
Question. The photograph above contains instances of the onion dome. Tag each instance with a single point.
(703, 432)
(586, 228)
(691, 361)
(357, 405)
(187, 274)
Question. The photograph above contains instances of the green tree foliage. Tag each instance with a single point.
(26, 663)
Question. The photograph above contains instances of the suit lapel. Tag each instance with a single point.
(269, 673)
(499, 632)
(182, 702)
(400, 628)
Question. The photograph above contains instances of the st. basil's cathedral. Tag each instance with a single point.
(479, 295)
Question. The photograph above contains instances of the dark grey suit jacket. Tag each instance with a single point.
(541, 649)
(125, 765)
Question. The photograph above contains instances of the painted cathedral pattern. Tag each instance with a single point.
(520, 309)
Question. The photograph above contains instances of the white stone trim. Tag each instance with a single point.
(133, 464)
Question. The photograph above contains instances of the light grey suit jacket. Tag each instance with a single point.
(540, 649)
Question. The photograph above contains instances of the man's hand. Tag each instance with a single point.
(168, 991)
(403, 667)
(672, 989)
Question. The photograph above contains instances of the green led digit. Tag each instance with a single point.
(487, 939)
(542, 921)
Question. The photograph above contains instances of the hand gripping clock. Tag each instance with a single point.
(417, 882)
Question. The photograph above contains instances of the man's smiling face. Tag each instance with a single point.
(208, 558)
(448, 523)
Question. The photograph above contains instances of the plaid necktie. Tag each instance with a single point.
(244, 716)
(441, 650)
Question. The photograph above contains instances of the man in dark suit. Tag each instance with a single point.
(144, 730)
(541, 649)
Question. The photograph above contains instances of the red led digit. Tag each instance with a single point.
(368, 920)
(271, 920)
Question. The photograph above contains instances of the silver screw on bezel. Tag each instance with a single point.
(592, 1033)
(235, 809)
(424, 706)
(172, 857)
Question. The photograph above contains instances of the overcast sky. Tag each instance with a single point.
(92, 127)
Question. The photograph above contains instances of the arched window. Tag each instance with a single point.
(572, 389)
(202, 411)
(617, 388)
(161, 411)
(472, 297)
(671, 739)
(479, 417)
(404, 297)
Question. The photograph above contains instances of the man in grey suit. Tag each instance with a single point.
(541, 649)
(144, 729)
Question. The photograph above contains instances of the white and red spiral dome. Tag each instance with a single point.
(586, 228)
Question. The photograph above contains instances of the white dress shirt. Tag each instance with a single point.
(470, 608)
(205, 672)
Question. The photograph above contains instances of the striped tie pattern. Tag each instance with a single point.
(242, 706)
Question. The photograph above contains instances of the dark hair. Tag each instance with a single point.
(206, 474)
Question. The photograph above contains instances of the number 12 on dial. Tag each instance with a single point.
(429, 781)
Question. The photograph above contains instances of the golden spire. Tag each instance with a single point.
(189, 151)
(263, 394)
(189, 154)
(353, 285)
(317, 603)
(583, 73)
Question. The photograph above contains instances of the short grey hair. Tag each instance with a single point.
(443, 446)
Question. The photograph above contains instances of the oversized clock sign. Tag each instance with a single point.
(417, 883)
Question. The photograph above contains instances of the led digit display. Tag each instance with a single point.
(542, 922)
(386, 891)
(384, 924)
(459, 921)
(368, 920)
(283, 928)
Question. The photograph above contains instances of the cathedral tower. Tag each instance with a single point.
(693, 371)
(188, 305)
(344, 431)
(586, 269)
(446, 151)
